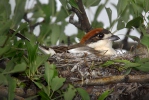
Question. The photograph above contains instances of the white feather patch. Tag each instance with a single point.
(47, 52)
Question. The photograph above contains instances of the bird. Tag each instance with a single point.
(98, 41)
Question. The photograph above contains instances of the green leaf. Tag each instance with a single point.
(145, 40)
(128, 71)
(39, 85)
(32, 97)
(120, 25)
(49, 72)
(9, 66)
(11, 88)
(62, 14)
(136, 8)
(89, 3)
(81, 34)
(48, 9)
(39, 10)
(141, 60)
(32, 51)
(40, 59)
(125, 14)
(146, 5)
(45, 32)
(121, 6)
(45, 89)
(4, 49)
(63, 2)
(3, 80)
(57, 83)
(19, 12)
(136, 22)
(104, 95)
(3, 39)
(95, 2)
(127, 63)
(98, 11)
(45, 8)
(55, 34)
(144, 67)
(43, 95)
(5, 6)
(70, 93)
(109, 12)
(73, 3)
(5, 27)
(143, 64)
(130, 65)
(108, 63)
(97, 24)
(83, 93)
(17, 68)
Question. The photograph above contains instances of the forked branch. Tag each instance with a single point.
(83, 22)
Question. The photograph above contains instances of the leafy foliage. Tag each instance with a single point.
(23, 57)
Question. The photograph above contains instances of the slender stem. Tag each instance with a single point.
(58, 97)
(51, 94)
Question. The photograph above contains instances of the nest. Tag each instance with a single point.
(92, 74)
(88, 72)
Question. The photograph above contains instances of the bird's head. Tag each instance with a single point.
(100, 39)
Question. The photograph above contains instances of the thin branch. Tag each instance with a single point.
(125, 40)
(11, 31)
(31, 27)
(75, 23)
(26, 19)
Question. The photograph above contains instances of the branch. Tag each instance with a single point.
(83, 23)
(114, 79)
(31, 27)
(125, 40)
(11, 31)
(75, 23)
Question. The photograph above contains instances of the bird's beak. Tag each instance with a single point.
(114, 38)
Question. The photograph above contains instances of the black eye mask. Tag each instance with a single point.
(98, 36)
(101, 35)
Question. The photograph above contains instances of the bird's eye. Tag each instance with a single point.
(101, 35)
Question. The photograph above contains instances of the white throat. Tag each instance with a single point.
(103, 46)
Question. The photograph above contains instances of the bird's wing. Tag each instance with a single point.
(60, 49)
(86, 49)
